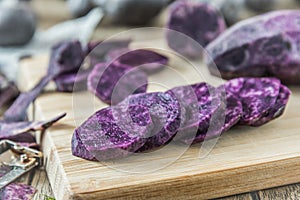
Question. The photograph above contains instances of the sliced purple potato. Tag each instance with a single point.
(149, 61)
(113, 132)
(277, 109)
(115, 82)
(234, 110)
(258, 97)
(247, 49)
(18, 191)
(202, 103)
(200, 21)
(72, 82)
(166, 115)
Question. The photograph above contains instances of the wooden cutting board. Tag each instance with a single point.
(244, 159)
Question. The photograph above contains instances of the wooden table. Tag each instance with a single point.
(50, 12)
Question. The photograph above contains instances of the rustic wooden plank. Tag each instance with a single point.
(53, 11)
(243, 160)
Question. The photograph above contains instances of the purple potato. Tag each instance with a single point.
(166, 115)
(247, 49)
(18, 191)
(115, 82)
(201, 103)
(72, 82)
(113, 132)
(150, 61)
(277, 109)
(258, 97)
(200, 21)
(233, 113)
(17, 24)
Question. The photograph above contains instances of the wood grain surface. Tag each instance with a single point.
(54, 12)
(244, 159)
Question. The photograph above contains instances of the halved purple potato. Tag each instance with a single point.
(149, 61)
(18, 191)
(247, 49)
(200, 101)
(258, 97)
(113, 132)
(72, 82)
(198, 20)
(115, 82)
(165, 112)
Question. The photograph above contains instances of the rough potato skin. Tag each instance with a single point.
(265, 45)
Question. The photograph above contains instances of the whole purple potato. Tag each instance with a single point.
(266, 45)
(200, 21)
(17, 24)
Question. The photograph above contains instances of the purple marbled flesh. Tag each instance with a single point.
(200, 21)
(233, 112)
(115, 82)
(149, 61)
(66, 57)
(72, 82)
(265, 45)
(17, 191)
(277, 109)
(258, 97)
(113, 132)
(165, 112)
(200, 101)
